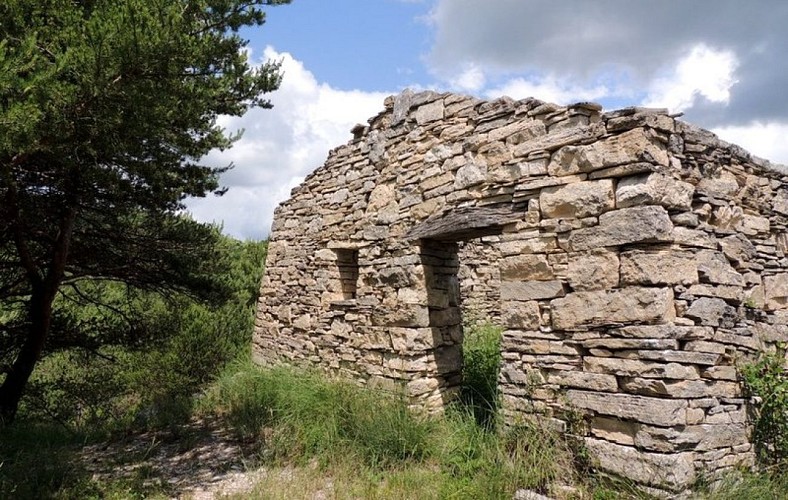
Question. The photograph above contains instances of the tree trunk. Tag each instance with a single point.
(39, 315)
(40, 320)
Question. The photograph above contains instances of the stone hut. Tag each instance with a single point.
(631, 258)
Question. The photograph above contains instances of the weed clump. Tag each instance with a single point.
(481, 351)
(767, 382)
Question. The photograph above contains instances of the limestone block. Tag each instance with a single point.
(637, 368)
(728, 293)
(671, 267)
(697, 437)
(470, 174)
(670, 356)
(595, 270)
(687, 237)
(630, 147)
(437, 181)
(303, 322)
(541, 346)
(666, 331)
(325, 255)
(722, 186)
(414, 339)
(705, 346)
(531, 290)
(380, 197)
(656, 411)
(726, 414)
(752, 225)
(426, 208)
(429, 112)
(681, 388)
(654, 189)
(612, 429)
(412, 295)
(780, 202)
(536, 244)
(422, 385)
(557, 139)
(576, 200)
(727, 216)
(670, 471)
(711, 312)
(617, 343)
(627, 225)
(612, 306)
(775, 289)
(584, 380)
(713, 267)
(770, 333)
(737, 248)
(339, 196)
(526, 267)
(521, 315)
(409, 315)
(448, 317)
(739, 338)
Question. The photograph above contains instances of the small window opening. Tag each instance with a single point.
(347, 262)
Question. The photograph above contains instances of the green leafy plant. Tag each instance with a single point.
(767, 382)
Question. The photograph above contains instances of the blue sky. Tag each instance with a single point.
(375, 45)
(720, 62)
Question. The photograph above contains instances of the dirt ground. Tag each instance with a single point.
(198, 461)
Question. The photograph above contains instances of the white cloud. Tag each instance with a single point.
(704, 72)
(280, 146)
(471, 79)
(677, 54)
(550, 89)
(767, 140)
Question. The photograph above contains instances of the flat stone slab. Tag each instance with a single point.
(656, 411)
(598, 307)
(624, 226)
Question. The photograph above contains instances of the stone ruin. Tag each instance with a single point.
(631, 258)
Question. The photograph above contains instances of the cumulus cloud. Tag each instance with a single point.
(580, 42)
(469, 79)
(549, 88)
(767, 140)
(704, 72)
(280, 146)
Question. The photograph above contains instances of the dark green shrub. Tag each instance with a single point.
(767, 382)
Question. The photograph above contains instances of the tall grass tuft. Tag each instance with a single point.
(306, 418)
(304, 415)
(481, 351)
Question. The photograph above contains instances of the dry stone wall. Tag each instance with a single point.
(632, 259)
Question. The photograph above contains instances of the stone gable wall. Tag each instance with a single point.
(631, 258)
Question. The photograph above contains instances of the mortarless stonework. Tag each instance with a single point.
(631, 258)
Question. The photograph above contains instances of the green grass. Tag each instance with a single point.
(481, 351)
(764, 485)
(320, 434)
(302, 415)
(305, 418)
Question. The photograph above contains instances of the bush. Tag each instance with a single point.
(767, 382)
(175, 347)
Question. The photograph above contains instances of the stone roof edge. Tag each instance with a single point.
(426, 96)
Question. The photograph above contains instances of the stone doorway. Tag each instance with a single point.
(440, 262)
